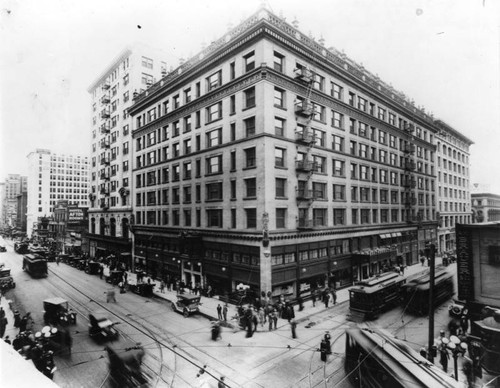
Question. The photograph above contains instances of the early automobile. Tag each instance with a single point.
(3, 248)
(187, 304)
(93, 268)
(57, 311)
(102, 328)
(6, 280)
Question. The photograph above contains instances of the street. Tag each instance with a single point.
(177, 347)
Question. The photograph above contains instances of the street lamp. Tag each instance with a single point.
(456, 346)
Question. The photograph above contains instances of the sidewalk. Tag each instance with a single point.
(208, 306)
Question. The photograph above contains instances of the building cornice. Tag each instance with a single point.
(444, 127)
(114, 63)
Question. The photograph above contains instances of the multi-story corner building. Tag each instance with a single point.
(51, 178)
(110, 172)
(274, 162)
(14, 186)
(453, 183)
(485, 207)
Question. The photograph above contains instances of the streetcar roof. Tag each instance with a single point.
(399, 359)
(375, 284)
(55, 300)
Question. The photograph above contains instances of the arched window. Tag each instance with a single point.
(92, 225)
(112, 227)
(125, 227)
(102, 225)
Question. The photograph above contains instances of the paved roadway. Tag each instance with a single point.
(268, 359)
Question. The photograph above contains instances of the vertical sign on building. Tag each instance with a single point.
(464, 263)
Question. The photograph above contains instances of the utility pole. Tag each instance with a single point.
(431, 255)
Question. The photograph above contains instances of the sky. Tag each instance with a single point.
(444, 54)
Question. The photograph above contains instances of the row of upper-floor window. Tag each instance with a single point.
(114, 135)
(453, 206)
(214, 164)
(111, 201)
(451, 221)
(111, 171)
(452, 166)
(248, 63)
(246, 218)
(452, 153)
(248, 189)
(446, 192)
(452, 180)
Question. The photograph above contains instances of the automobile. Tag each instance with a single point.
(93, 268)
(57, 311)
(101, 328)
(187, 304)
(3, 248)
(6, 280)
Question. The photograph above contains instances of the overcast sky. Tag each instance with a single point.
(445, 54)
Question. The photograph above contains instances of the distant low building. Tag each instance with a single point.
(485, 207)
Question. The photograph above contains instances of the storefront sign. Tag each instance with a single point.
(464, 264)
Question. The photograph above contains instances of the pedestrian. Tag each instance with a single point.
(293, 326)
(271, 315)
(334, 296)
(110, 296)
(3, 325)
(162, 286)
(17, 318)
(2, 312)
(326, 298)
(224, 312)
(422, 260)
(7, 340)
(221, 383)
(313, 296)
(261, 316)
(301, 303)
(323, 350)
(328, 344)
(219, 312)
(275, 320)
(443, 359)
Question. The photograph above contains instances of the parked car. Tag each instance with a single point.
(6, 280)
(187, 304)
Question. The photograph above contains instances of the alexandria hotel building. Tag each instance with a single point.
(270, 161)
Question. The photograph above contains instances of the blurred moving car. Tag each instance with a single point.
(187, 304)
(102, 328)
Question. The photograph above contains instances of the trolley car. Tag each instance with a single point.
(35, 265)
(416, 292)
(374, 358)
(368, 298)
(125, 367)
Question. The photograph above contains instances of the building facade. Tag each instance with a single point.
(485, 207)
(110, 171)
(53, 177)
(272, 162)
(453, 184)
(12, 215)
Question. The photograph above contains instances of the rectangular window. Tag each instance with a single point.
(278, 62)
(336, 91)
(337, 120)
(214, 165)
(361, 103)
(214, 112)
(249, 98)
(214, 218)
(365, 216)
(319, 190)
(338, 167)
(249, 126)
(338, 192)
(319, 217)
(279, 126)
(214, 191)
(279, 97)
(249, 61)
(279, 157)
(251, 188)
(187, 124)
(280, 218)
(318, 112)
(338, 216)
(214, 138)
(251, 216)
(187, 95)
(338, 143)
(214, 81)
(280, 187)
(250, 157)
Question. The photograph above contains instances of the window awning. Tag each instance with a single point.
(397, 234)
(382, 236)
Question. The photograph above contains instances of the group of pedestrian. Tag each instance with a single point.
(329, 296)
(222, 312)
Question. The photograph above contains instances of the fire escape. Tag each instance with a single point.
(409, 182)
(104, 143)
(305, 139)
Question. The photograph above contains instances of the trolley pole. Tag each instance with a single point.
(431, 255)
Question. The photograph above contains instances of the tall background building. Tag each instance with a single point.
(453, 183)
(12, 214)
(270, 161)
(53, 177)
(485, 207)
(132, 71)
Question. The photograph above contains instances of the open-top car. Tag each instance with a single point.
(102, 328)
(187, 304)
(57, 311)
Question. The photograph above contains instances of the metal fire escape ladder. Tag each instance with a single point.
(409, 167)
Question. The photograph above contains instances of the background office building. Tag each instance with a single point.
(274, 162)
(453, 184)
(12, 214)
(110, 171)
(51, 178)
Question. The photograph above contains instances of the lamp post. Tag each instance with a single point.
(456, 346)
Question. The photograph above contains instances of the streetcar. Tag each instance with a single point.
(125, 367)
(368, 298)
(416, 292)
(374, 358)
(35, 265)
